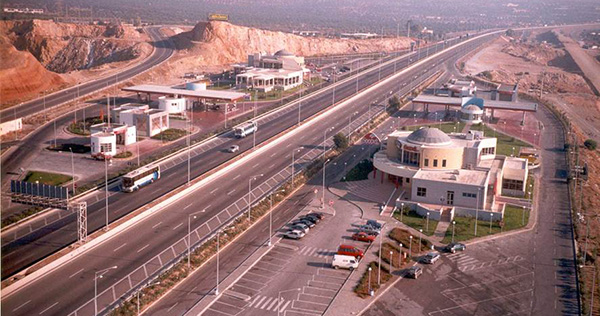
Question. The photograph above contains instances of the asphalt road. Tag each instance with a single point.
(141, 242)
(29, 249)
(532, 273)
(161, 53)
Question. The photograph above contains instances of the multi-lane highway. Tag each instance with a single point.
(143, 241)
(29, 249)
(162, 51)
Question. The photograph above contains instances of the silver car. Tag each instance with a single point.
(294, 234)
(431, 257)
(301, 227)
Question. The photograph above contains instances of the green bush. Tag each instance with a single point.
(340, 141)
(590, 144)
(360, 171)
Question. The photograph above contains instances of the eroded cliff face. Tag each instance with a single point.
(222, 43)
(64, 47)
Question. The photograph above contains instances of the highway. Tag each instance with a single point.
(162, 51)
(145, 240)
(29, 249)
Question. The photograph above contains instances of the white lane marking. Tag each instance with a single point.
(272, 304)
(48, 308)
(274, 154)
(156, 225)
(72, 275)
(260, 302)
(239, 175)
(146, 246)
(284, 306)
(256, 165)
(229, 193)
(213, 191)
(21, 305)
(185, 208)
(174, 228)
(288, 145)
(254, 300)
(170, 308)
(271, 166)
(266, 303)
(121, 246)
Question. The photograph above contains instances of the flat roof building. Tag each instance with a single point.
(282, 70)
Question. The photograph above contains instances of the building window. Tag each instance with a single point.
(443, 162)
(411, 158)
(510, 184)
(107, 147)
(426, 162)
(469, 195)
(488, 151)
(435, 162)
(422, 192)
(407, 180)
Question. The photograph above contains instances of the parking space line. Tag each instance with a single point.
(267, 302)
(220, 312)
(260, 302)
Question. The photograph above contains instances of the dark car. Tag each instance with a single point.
(305, 222)
(374, 223)
(414, 272)
(310, 218)
(348, 250)
(455, 246)
(315, 214)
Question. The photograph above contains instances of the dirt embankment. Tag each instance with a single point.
(221, 44)
(35, 51)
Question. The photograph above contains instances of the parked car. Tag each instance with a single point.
(301, 227)
(316, 214)
(455, 246)
(310, 218)
(345, 262)
(348, 250)
(414, 272)
(369, 229)
(431, 257)
(233, 148)
(305, 222)
(294, 234)
(374, 223)
(362, 236)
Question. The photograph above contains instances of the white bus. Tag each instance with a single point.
(136, 179)
(245, 129)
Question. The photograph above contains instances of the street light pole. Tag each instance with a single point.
(491, 217)
(427, 226)
(477, 210)
(410, 246)
(453, 224)
(391, 261)
(250, 194)
(420, 237)
(323, 199)
(72, 170)
(138, 294)
(379, 270)
(106, 189)
(523, 220)
(99, 275)
(401, 211)
(294, 162)
(271, 216)
(218, 246)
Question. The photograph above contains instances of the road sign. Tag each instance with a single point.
(371, 139)
(39, 189)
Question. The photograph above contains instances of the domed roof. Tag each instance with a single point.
(283, 52)
(429, 136)
(472, 108)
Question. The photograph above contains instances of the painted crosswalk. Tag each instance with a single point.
(461, 259)
(316, 252)
(480, 265)
(269, 303)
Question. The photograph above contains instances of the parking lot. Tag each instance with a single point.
(489, 278)
(297, 271)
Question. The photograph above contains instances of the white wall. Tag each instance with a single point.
(11, 126)
(172, 105)
(436, 190)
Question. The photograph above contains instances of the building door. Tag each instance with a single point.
(450, 197)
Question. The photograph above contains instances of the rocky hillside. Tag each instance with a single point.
(64, 47)
(222, 43)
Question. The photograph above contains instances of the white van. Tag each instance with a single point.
(344, 262)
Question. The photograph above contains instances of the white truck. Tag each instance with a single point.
(344, 262)
(245, 129)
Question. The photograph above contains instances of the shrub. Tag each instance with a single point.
(590, 144)
(341, 141)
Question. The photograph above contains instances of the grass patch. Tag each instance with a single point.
(370, 279)
(122, 155)
(505, 142)
(360, 171)
(397, 262)
(21, 215)
(83, 128)
(465, 226)
(403, 236)
(416, 221)
(170, 134)
(47, 178)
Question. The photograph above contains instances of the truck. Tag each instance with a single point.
(245, 129)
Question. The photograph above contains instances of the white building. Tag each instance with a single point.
(456, 174)
(172, 105)
(11, 126)
(283, 70)
(104, 145)
(124, 134)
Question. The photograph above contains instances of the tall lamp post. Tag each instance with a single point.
(189, 236)
(271, 215)
(477, 210)
(99, 275)
(453, 224)
(138, 294)
(323, 199)
(410, 238)
(250, 193)
(106, 190)
(294, 162)
(72, 170)
(325, 139)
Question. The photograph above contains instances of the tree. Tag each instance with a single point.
(590, 144)
(340, 141)
(394, 103)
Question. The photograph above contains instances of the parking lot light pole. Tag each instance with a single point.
(400, 255)
(271, 216)
(427, 226)
(138, 294)
(391, 261)
(99, 275)
(279, 301)
(250, 192)
(401, 211)
(410, 246)
(218, 246)
(523, 220)
(420, 237)
(379, 263)
(491, 217)
(323, 199)
(477, 210)
(369, 287)
(453, 224)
